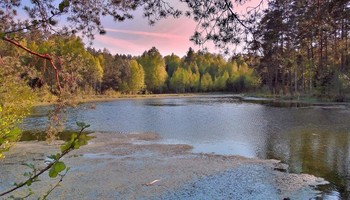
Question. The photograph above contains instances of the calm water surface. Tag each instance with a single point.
(311, 139)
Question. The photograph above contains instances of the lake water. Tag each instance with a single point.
(312, 139)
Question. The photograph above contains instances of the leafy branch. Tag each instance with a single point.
(55, 167)
(56, 185)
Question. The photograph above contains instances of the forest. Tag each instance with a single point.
(304, 48)
(298, 49)
(92, 72)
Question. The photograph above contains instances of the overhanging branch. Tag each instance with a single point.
(43, 56)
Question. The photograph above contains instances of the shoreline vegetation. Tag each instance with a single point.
(249, 97)
(102, 98)
(138, 165)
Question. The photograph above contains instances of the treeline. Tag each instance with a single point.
(195, 72)
(304, 47)
(88, 71)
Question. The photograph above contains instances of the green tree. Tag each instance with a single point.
(206, 83)
(194, 81)
(244, 79)
(220, 82)
(116, 71)
(154, 67)
(172, 62)
(231, 67)
(136, 82)
(177, 81)
(78, 66)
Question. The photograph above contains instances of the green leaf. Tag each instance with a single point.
(59, 166)
(76, 146)
(56, 169)
(53, 173)
(29, 182)
(66, 146)
(69, 144)
(82, 125)
(83, 140)
(63, 5)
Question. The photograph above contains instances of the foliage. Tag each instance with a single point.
(172, 62)
(15, 102)
(89, 72)
(206, 83)
(154, 67)
(136, 81)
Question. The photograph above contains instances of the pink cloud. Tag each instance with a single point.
(142, 41)
(147, 34)
(169, 35)
(116, 45)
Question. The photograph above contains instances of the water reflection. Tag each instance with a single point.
(310, 138)
(322, 153)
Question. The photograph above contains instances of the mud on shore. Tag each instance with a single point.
(138, 166)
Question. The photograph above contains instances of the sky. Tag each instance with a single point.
(168, 35)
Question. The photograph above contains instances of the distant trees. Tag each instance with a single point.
(87, 71)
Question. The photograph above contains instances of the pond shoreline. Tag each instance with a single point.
(250, 98)
(106, 98)
(137, 166)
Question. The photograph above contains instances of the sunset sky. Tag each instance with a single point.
(168, 36)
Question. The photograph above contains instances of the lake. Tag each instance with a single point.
(313, 139)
